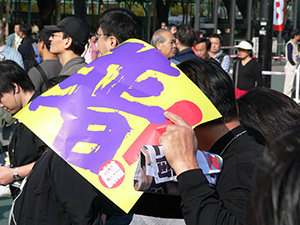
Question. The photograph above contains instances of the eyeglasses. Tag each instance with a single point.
(56, 35)
(99, 35)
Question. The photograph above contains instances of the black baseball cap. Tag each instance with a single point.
(74, 27)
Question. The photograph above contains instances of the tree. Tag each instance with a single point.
(148, 16)
(93, 15)
(185, 10)
(163, 8)
(80, 9)
(57, 11)
(94, 18)
(46, 8)
(241, 4)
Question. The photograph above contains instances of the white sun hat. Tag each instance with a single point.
(244, 45)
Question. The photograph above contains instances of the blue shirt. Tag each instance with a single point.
(225, 63)
(12, 54)
(11, 40)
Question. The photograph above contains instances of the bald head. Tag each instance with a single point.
(164, 41)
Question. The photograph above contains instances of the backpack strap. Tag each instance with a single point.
(43, 74)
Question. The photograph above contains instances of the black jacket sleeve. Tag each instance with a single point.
(83, 202)
(201, 203)
(290, 54)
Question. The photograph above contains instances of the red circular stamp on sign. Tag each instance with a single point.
(111, 174)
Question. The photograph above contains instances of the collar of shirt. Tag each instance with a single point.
(218, 54)
(227, 139)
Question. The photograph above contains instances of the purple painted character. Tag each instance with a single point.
(77, 109)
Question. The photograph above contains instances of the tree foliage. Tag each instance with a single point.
(80, 9)
(242, 6)
(162, 9)
(46, 8)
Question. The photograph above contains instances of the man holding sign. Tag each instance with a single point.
(228, 202)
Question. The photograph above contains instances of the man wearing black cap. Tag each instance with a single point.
(67, 42)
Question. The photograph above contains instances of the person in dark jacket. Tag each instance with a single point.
(16, 91)
(54, 193)
(26, 48)
(229, 201)
(184, 42)
(68, 39)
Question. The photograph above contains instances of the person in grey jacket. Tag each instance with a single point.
(67, 42)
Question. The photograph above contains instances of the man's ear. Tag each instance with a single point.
(158, 46)
(16, 88)
(43, 44)
(68, 42)
(113, 42)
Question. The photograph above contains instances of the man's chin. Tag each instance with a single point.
(173, 55)
(13, 112)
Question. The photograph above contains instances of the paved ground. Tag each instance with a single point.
(5, 204)
(277, 82)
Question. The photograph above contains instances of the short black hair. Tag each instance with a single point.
(198, 33)
(294, 33)
(261, 108)
(121, 23)
(169, 27)
(91, 34)
(44, 36)
(186, 35)
(75, 47)
(275, 199)
(11, 73)
(217, 36)
(215, 83)
(204, 40)
(25, 29)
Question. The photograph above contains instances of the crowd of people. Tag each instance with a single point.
(257, 135)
